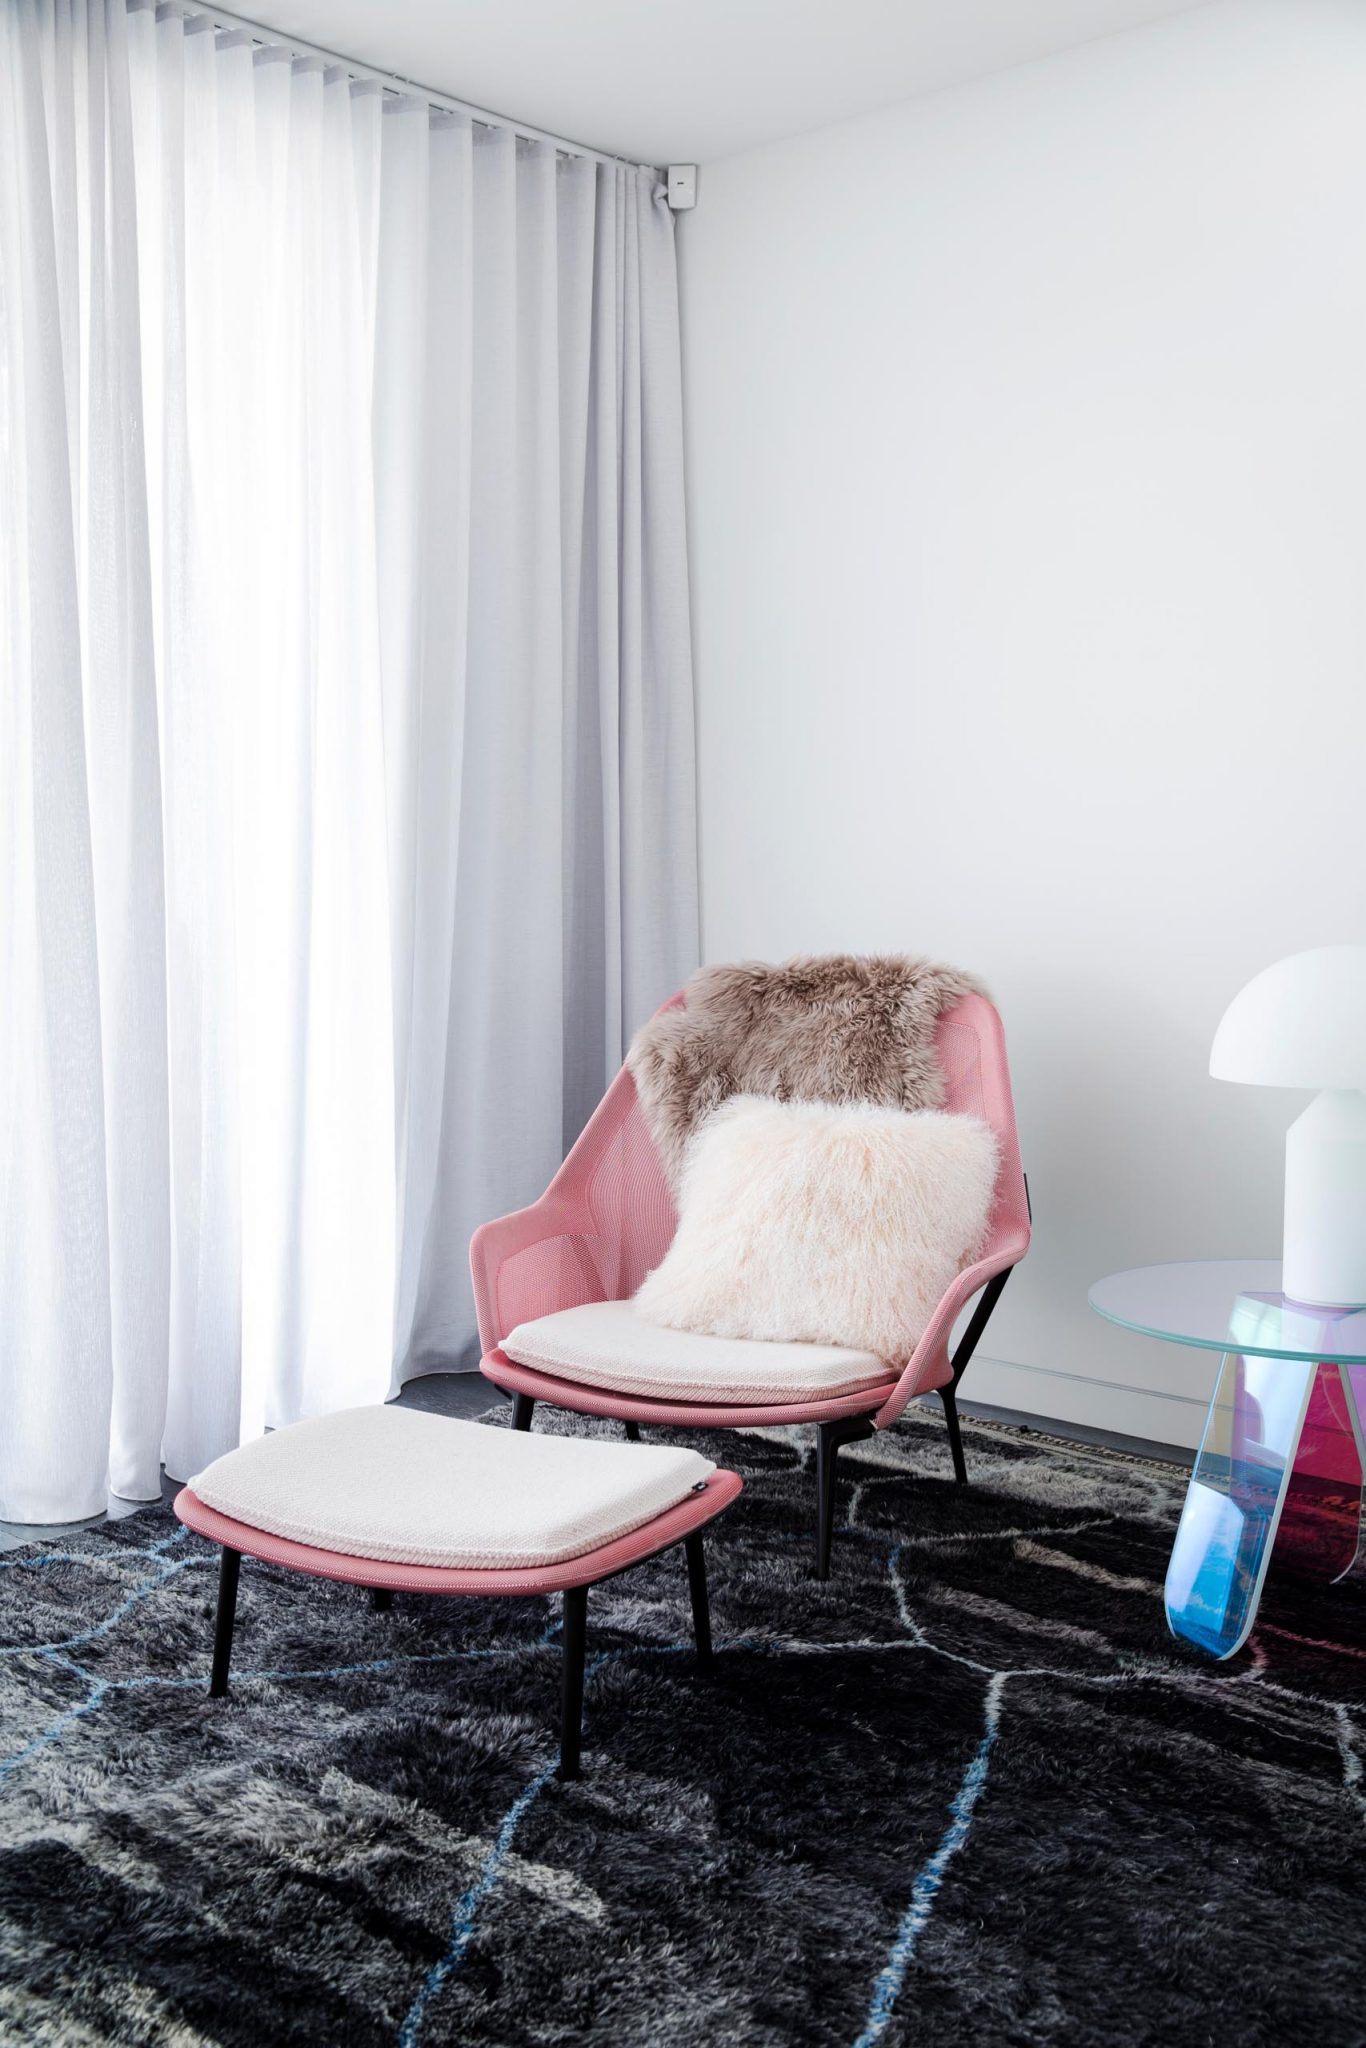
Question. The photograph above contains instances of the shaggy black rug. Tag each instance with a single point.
(969, 1791)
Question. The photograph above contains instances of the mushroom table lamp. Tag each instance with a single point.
(1302, 1024)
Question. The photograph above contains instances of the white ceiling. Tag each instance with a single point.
(696, 79)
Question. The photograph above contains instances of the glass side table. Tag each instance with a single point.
(1281, 1459)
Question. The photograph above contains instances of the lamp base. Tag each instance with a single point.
(1325, 1202)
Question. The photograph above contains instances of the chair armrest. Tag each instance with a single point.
(562, 1276)
(600, 1226)
(930, 1364)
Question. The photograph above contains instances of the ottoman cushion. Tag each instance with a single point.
(412, 1488)
(608, 1344)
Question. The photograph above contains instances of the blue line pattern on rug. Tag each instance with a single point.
(102, 1689)
(467, 1907)
(466, 1910)
(931, 1875)
(110, 1621)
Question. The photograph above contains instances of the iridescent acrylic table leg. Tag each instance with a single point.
(1234, 1502)
(1320, 1531)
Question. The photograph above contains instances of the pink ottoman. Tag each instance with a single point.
(402, 1501)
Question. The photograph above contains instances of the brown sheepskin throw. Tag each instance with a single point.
(837, 1027)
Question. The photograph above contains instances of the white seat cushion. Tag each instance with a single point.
(607, 1344)
(411, 1488)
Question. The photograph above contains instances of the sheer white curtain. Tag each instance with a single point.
(346, 828)
(84, 1180)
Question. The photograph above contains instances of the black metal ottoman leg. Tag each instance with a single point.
(522, 1407)
(697, 1586)
(381, 1597)
(230, 1566)
(632, 1432)
(571, 1708)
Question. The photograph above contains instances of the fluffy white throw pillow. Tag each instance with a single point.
(824, 1223)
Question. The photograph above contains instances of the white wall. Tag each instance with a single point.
(1028, 502)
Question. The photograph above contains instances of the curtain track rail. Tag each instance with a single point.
(390, 81)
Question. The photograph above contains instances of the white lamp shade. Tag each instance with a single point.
(1299, 1024)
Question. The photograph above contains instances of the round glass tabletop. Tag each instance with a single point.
(1230, 1305)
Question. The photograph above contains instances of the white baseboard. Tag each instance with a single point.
(1126, 1411)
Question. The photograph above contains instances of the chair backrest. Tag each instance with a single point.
(614, 1184)
(971, 1042)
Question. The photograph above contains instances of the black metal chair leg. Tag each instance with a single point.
(571, 1707)
(826, 1454)
(381, 1597)
(697, 1587)
(632, 1432)
(522, 1407)
(967, 1344)
(830, 1438)
(950, 1401)
(981, 1316)
(230, 1565)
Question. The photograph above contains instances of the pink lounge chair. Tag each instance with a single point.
(607, 1219)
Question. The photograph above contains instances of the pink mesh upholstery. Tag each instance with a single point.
(972, 1048)
(605, 1221)
(608, 1218)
